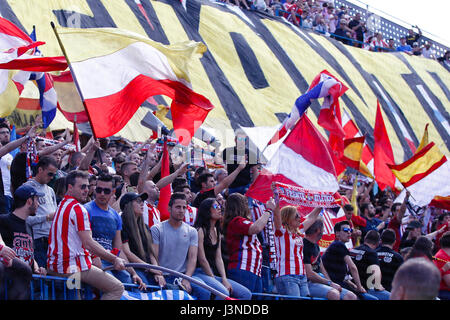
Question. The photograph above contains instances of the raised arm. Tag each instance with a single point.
(229, 179)
(311, 217)
(17, 143)
(259, 224)
(169, 179)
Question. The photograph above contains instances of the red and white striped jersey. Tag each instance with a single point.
(289, 248)
(257, 210)
(189, 215)
(66, 253)
(151, 214)
(245, 250)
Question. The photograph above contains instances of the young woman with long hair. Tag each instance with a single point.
(243, 247)
(291, 275)
(136, 237)
(210, 266)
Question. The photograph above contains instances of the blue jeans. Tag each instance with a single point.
(292, 285)
(40, 251)
(122, 275)
(361, 296)
(5, 204)
(380, 295)
(248, 279)
(238, 290)
(197, 291)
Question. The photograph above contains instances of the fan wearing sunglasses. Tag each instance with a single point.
(210, 265)
(71, 229)
(40, 223)
(106, 226)
(338, 262)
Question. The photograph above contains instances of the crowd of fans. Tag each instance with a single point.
(66, 212)
(343, 25)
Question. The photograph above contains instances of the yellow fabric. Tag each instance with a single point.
(83, 44)
(421, 165)
(9, 95)
(424, 140)
(353, 151)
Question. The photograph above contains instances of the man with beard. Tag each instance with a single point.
(106, 226)
(368, 212)
(5, 163)
(15, 235)
(40, 223)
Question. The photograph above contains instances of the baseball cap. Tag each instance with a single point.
(130, 196)
(414, 225)
(26, 191)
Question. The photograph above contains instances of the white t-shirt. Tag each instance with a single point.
(428, 53)
(5, 166)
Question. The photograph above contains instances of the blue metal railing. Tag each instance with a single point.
(350, 41)
(55, 288)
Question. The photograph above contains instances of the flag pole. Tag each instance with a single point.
(73, 77)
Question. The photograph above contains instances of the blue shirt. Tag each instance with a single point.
(104, 224)
(371, 225)
(406, 47)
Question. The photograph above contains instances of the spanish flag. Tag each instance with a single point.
(116, 71)
(352, 152)
(425, 175)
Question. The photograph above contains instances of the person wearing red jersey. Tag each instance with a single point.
(398, 211)
(443, 223)
(242, 244)
(294, 11)
(291, 276)
(71, 242)
(191, 212)
(151, 215)
(442, 261)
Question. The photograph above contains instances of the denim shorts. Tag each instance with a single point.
(319, 290)
(292, 285)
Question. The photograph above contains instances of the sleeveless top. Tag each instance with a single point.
(210, 252)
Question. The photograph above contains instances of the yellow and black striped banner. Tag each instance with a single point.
(257, 65)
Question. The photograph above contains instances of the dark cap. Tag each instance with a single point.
(130, 196)
(26, 191)
(414, 225)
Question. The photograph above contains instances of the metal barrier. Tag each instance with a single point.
(57, 288)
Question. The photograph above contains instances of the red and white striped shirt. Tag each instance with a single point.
(66, 253)
(289, 248)
(245, 250)
(257, 210)
(151, 214)
(189, 215)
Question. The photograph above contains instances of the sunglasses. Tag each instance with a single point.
(138, 200)
(50, 174)
(104, 190)
(347, 230)
(84, 186)
(216, 206)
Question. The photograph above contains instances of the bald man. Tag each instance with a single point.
(416, 279)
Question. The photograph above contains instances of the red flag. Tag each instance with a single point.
(304, 159)
(164, 193)
(383, 154)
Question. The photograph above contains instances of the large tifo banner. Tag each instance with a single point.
(254, 69)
